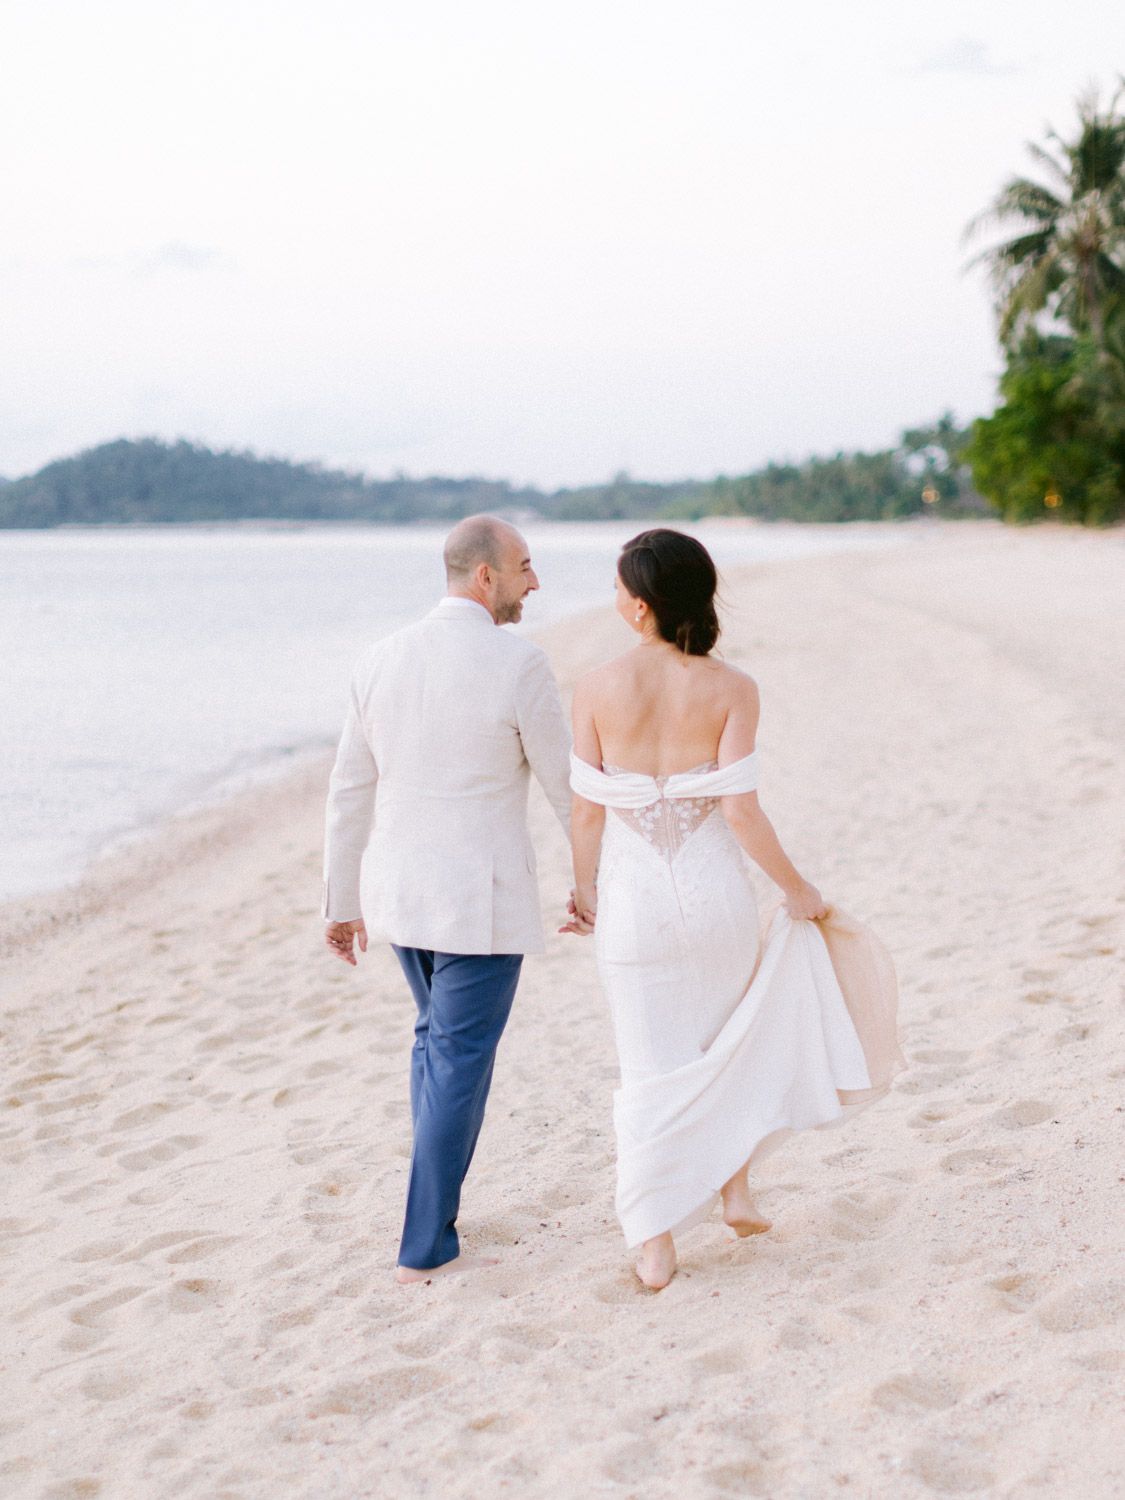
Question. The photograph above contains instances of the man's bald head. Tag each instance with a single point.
(476, 540)
(487, 560)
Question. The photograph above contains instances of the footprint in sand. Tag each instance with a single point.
(60, 1106)
(933, 1114)
(949, 1471)
(1019, 1290)
(96, 1250)
(918, 1392)
(331, 1187)
(155, 1156)
(1101, 1361)
(144, 1114)
(294, 1317)
(515, 1345)
(372, 1396)
(194, 1296)
(110, 1385)
(354, 1285)
(499, 1423)
(623, 1289)
(1023, 1113)
(976, 1159)
(161, 1242)
(867, 1313)
(1091, 1305)
(1078, 1032)
(198, 1411)
(424, 1345)
(725, 1359)
(323, 1069)
(750, 1477)
(796, 1334)
(265, 1395)
(862, 1216)
(200, 1249)
(90, 1314)
(18, 1228)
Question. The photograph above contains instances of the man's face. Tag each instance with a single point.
(512, 581)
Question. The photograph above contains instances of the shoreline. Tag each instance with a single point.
(62, 830)
(207, 1123)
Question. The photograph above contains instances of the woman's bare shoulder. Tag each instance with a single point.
(735, 684)
(599, 679)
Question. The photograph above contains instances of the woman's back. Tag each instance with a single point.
(660, 712)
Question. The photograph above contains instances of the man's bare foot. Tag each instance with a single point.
(409, 1275)
(657, 1264)
(743, 1215)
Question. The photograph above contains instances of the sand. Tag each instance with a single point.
(205, 1127)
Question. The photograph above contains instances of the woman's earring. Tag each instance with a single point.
(637, 618)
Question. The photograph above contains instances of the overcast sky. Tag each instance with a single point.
(529, 240)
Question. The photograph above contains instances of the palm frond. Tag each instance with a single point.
(1020, 198)
(1051, 163)
(1026, 293)
(1012, 252)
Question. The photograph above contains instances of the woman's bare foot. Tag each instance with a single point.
(739, 1209)
(410, 1275)
(746, 1222)
(657, 1264)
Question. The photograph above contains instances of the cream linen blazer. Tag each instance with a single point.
(426, 825)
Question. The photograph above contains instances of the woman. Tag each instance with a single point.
(723, 1048)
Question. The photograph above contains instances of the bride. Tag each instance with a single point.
(725, 1044)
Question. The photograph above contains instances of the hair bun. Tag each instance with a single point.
(675, 576)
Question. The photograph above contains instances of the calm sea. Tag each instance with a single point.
(145, 670)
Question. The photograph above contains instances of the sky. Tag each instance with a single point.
(536, 241)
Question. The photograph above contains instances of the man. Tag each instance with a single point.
(447, 719)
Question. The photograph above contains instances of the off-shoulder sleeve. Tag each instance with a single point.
(625, 789)
(727, 781)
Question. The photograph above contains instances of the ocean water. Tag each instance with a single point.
(143, 670)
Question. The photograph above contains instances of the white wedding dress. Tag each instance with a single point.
(725, 1043)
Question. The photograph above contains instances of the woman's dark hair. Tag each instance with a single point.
(676, 578)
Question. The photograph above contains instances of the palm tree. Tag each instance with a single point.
(1068, 258)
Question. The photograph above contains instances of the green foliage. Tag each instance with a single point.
(153, 481)
(1056, 446)
(147, 481)
(1048, 450)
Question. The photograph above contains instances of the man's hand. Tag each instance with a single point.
(582, 917)
(340, 936)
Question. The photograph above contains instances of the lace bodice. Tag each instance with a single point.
(667, 823)
(664, 810)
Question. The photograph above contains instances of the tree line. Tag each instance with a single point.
(152, 481)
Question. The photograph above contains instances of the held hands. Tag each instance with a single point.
(340, 935)
(582, 909)
(804, 903)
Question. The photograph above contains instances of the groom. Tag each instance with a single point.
(447, 719)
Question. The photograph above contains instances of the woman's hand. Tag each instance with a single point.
(804, 903)
(582, 909)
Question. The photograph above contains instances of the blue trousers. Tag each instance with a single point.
(463, 1004)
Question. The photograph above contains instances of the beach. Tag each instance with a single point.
(206, 1128)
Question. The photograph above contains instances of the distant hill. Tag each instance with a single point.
(152, 481)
